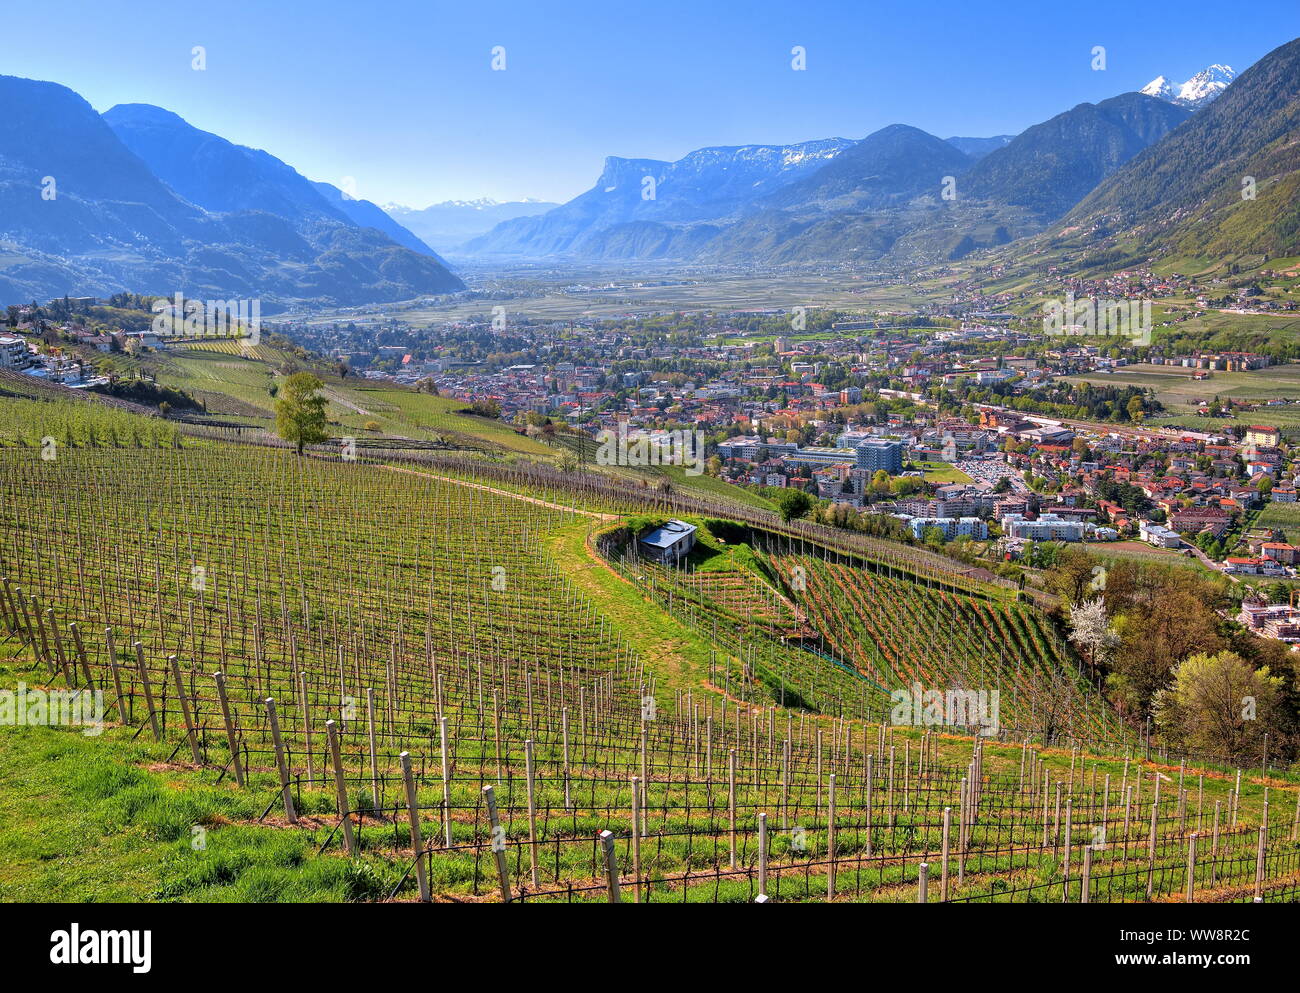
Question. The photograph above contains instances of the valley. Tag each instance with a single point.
(501, 455)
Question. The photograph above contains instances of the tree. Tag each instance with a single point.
(792, 503)
(300, 410)
(1218, 703)
(1090, 629)
(1003, 485)
(1171, 617)
(1076, 572)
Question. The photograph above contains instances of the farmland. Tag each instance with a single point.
(372, 680)
(1278, 388)
(1284, 517)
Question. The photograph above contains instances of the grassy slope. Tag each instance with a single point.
(235, 383)
(104, 819)
(703, 485)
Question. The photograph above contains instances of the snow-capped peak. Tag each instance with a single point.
(1197, 91)
(1159, 87)
(1206, 85)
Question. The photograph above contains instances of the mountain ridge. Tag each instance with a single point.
(108, 222)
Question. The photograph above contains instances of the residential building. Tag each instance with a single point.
(1047, 527)
(13, 353)
(875, 454)
(1159, 535)
(952, 527)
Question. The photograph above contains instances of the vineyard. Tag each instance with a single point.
(836, 628)
(445, 673)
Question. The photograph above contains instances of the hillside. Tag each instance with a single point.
(1184, 195)
(475, 634)
(1052, 166)
(178, 210)
(888, 166)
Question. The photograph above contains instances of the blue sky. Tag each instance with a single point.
(401, 96)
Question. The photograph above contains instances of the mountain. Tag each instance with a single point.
(1052, 166)
(213, 173)
(1162, 88)
(449, 224)
(103, 196)
(891, 165)
(708, 183)
(1198, 91)
(1187, 193)
(221, 176)
(365, 214)
(977, 148)
(839, 200)
(114, 223)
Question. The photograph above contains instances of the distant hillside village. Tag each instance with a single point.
(68, 340)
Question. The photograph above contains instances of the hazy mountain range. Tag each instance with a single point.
(705, 184)
(139, 199)
(898, 192)
(450, 224)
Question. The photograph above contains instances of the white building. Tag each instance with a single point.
(1048, 527)
(952, 527)
(13, 353)
(1159, 535)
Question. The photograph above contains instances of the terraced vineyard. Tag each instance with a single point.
(852, 631)
(429, 675)
(900, 633)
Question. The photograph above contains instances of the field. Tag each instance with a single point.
(373, 680)
(614, 291)
(1283, 516)
(943, 472)
(1143, 552)
(236, 382)
(1180, 394)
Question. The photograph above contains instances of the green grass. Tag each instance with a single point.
(711, 486)
(703, 484)
(1284, 516)
(234, 382)
(1141, 552)
(943, 472)
(85, 820)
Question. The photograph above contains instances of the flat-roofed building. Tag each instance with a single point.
(669, 543)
